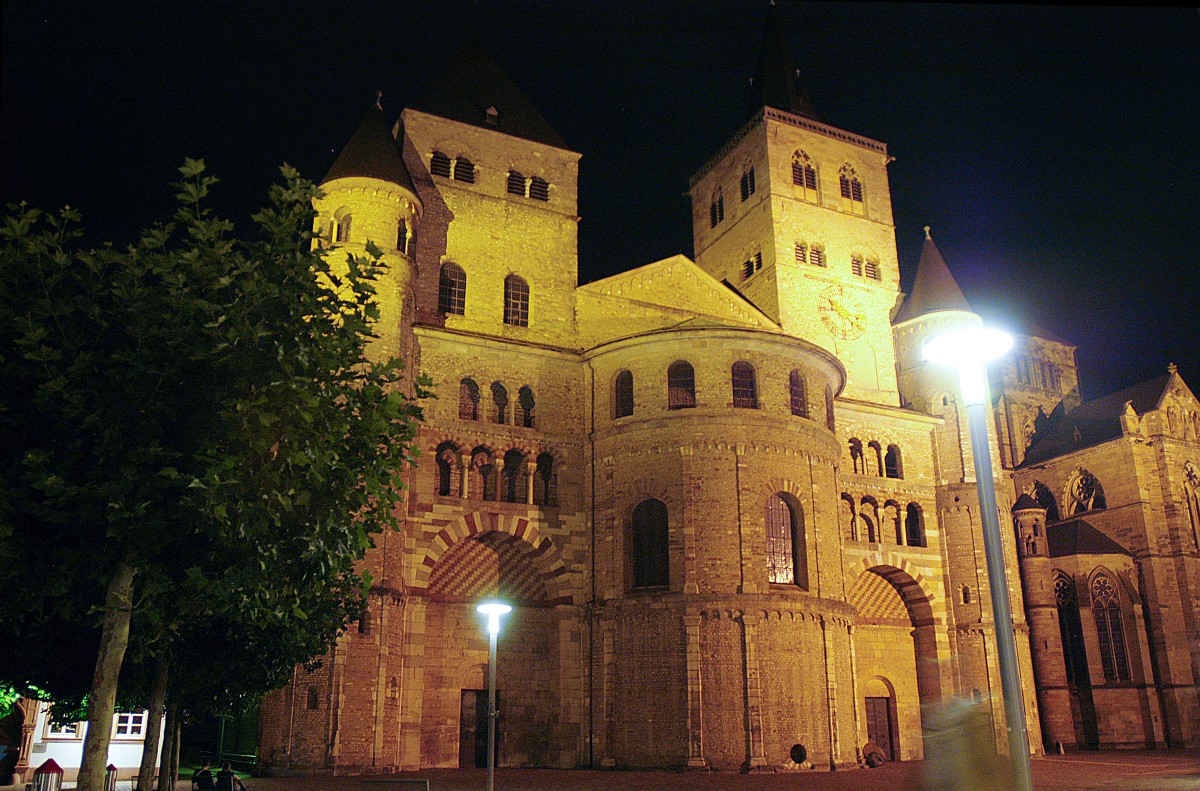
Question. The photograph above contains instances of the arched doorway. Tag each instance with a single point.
(896, 659)
(492, 564)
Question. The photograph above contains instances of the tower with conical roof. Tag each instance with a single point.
(796, 214)
(937, 305)
(370, 199)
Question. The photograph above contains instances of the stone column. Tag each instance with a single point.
(498, 471)
(464, 472)
(756, 758)
(691, 622)
(530, 471)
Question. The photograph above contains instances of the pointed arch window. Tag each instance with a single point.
(797, 394)
(468, 400)
(1110, 631)
(786, 555)
(1070, 630)
(1084, 492)
(516, 301)
(623, 394)
(747, 183)
(452, 289)
(745, 386)
(681, 385)
(525, 406)
(851, 190)
(716, 209)
(650, 548)
(804, 175)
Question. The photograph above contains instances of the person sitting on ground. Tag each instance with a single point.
(227, 780)
(202, 778)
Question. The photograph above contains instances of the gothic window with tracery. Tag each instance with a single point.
(1110, 631)
(804, 175)
(1070, 630)
(1084, 492)
(851, 189)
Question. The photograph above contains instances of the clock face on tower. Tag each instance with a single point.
(841, 315)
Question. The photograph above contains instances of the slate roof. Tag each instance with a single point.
(1094, 422)
(776, 81)
(1025, 501)
(372, 152)
(1077, 537)
(471, 84)
(933, 289)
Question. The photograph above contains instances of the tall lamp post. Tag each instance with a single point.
(970, 350)
(493, 610)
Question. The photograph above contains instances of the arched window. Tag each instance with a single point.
(849, 518)
(914, 526)
(787, 559)
(1045, 498)
(516, 477)
(468, 400)
(499, 404)
(452, 289)
(716, 209)
(813, 254)
(314, 699)
(830, 422)
(747, 182)
(804, 175)
(869, 514)
(342, 227)
(516, 183)
(876, 458)
(539, 188)
(623, 394)
(1070, 630)
(516, 301)
(439, 165)
(851, 188)
(892, 524)
(447, 466)
(891, 463)
(681, 385)
(651, 559)
(483, 475)
(797, 394)
(464, 170)
(525, 406)
(402, 236)
(1110, 632)
(1084, 492)
(745, 388)
(857, 463)
(545, 481)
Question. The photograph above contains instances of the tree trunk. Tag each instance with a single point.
(177, 751)
(114, 638)
(170, 746)
(158, 696)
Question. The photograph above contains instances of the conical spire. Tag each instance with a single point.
(372, 153)
(776, 80)
(934, 288)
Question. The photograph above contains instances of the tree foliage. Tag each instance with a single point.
(206, 412)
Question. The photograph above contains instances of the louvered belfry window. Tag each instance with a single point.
(539, 189)
(439, 165)
(747, 183)
(464, 170)
(516, 183)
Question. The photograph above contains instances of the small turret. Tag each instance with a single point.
(370, 198)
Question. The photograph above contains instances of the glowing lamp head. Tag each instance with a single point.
(969, 350)
(493, 610)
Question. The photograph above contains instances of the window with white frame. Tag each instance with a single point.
(129, 725)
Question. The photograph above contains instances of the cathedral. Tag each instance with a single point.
(734, 510)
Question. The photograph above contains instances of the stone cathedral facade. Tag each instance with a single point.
(733, 508)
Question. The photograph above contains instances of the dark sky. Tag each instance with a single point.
(1054, 150)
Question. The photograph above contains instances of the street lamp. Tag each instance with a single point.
(970, 350)
(493, 610)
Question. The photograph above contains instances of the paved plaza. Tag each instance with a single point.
(1103, 771)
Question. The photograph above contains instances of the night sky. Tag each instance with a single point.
(1054, 150)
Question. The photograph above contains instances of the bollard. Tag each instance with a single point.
(48, 776)
(110, 778)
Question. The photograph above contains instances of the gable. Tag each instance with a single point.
(663, 294)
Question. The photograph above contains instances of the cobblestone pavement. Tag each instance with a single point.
(1106, 771)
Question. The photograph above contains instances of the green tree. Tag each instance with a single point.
(200, 444)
